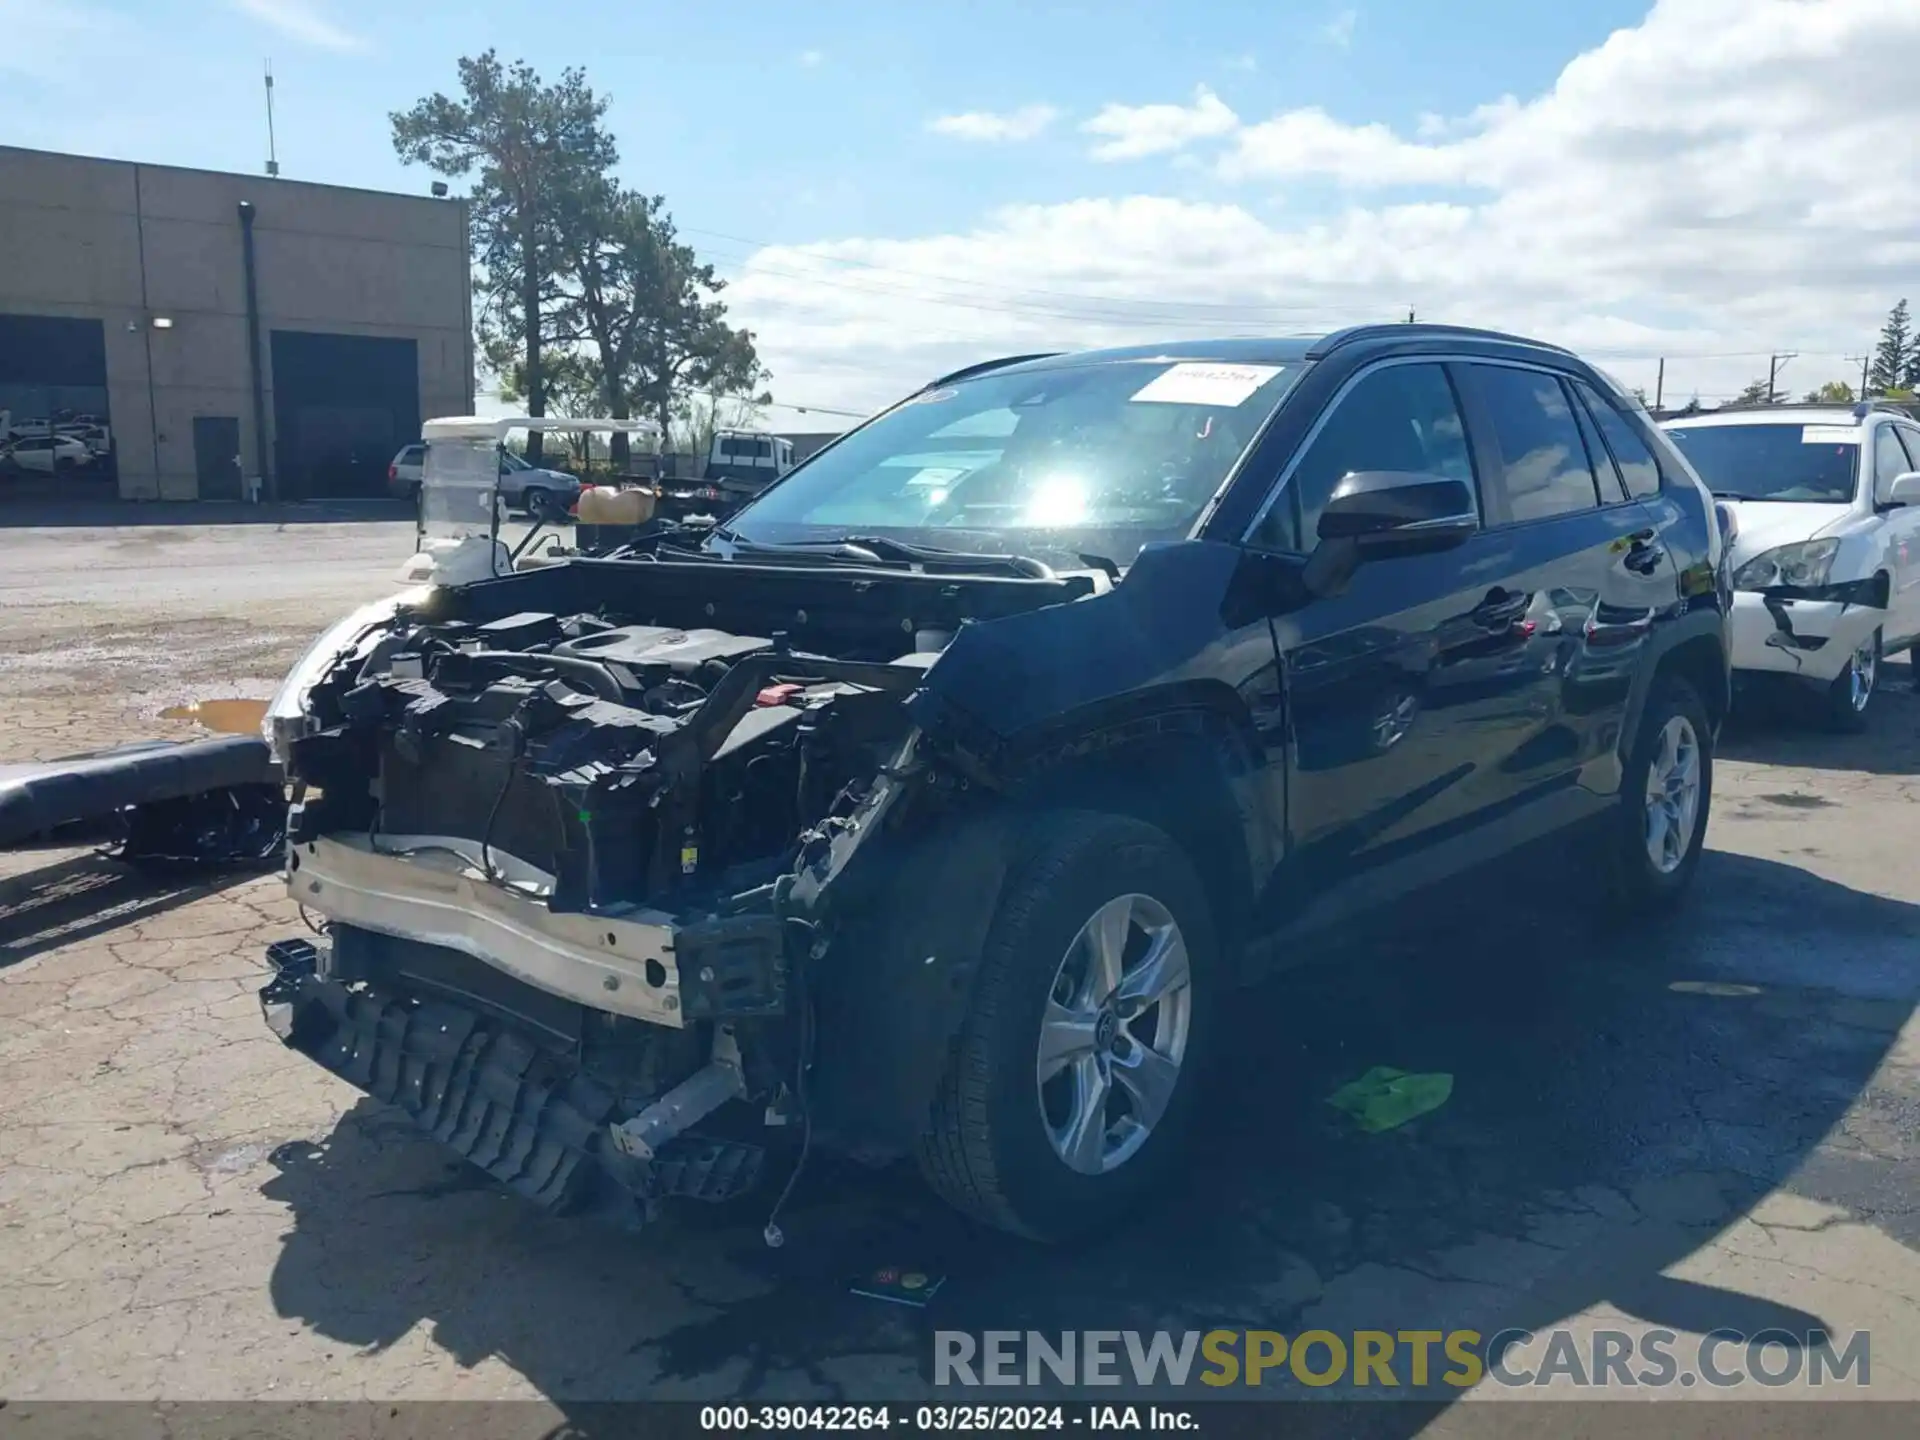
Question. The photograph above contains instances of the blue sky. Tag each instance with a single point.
(895, 188)
(774, 121)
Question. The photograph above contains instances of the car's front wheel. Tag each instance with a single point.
(1846, 699)
(1075, 1080)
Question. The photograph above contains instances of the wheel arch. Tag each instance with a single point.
(1188, 766)
(901, 973)
(1693, 648)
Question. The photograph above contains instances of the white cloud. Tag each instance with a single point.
(810, 59)
(1338, 31)
(302, 20)
(1135, 131)
(1709, 185)
(1022, 124)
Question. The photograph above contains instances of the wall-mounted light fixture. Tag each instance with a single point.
(163, 322)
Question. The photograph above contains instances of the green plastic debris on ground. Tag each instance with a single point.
(1385, 1098)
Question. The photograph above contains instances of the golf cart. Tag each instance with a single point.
(461, 502)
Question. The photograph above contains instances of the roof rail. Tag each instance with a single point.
(1858, 408)
(1353, 334)
(968, 371)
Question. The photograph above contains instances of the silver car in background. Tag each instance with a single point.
(525, 487)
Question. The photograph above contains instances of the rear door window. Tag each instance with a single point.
(1543, 469)
(1613, 489)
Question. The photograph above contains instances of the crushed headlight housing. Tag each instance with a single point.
(1802, 565)
(286, 717)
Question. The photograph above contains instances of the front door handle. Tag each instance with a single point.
(1644, 553)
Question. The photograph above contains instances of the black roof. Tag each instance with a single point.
(1248, 350)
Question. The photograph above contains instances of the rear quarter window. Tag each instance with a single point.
(1631, 453)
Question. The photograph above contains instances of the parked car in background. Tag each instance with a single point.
(1826, 560)
(97, 438)
(938, 802)
(46, 453)
(540, 492)
(403, 474)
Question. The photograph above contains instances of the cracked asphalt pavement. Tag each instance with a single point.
(1705, 1123)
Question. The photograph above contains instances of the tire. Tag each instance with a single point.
(1843, 708)
(997, 1137)
(535, 501)
(1635, 883)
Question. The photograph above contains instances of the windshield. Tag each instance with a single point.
(1774, 462)
(459, 489)
(1101, 458)
(511, 461)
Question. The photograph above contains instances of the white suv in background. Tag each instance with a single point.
(1826, 561)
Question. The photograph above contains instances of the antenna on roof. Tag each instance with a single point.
(273, 161)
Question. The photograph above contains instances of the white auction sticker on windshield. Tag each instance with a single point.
(1829, 435)
(1199, 384)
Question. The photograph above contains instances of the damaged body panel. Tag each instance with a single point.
(1810, 631)
(933, 804)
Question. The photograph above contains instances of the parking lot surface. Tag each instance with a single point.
(1706, 1122)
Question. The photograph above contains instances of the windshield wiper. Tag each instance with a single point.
(881, 550)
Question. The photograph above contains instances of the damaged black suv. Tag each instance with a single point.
(935, 803)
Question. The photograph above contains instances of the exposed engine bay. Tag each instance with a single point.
(591, 848)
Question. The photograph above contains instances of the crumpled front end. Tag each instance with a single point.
(583, 873)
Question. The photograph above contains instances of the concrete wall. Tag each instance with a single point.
(125, 243)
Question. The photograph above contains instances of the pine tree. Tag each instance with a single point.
(1893, 357)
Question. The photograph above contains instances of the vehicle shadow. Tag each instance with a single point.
(1772, 729)
(77, 897)
(1603, 1126)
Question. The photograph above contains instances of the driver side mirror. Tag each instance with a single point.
(1905, 489)
(1387, 514)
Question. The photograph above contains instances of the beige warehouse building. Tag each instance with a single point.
(223, 327)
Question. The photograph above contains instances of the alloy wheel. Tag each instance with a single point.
(1114, 1034)
(1862, 670)
(1673, 794)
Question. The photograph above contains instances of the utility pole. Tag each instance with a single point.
(273, 158)
(1865, 361)
(1774, 362)
(1659, 384)
(1409, 315)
